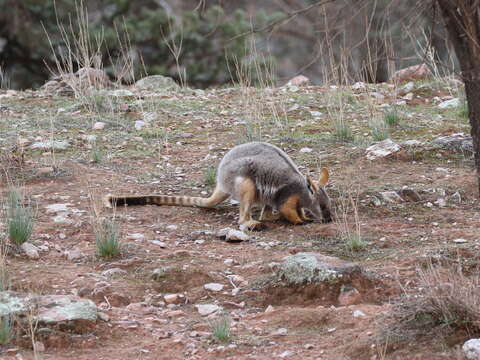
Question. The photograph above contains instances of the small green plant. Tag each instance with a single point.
(221, 330)
(97, 154)
(354, 242)
(380, 130)
(462, 111)
(342, 130)
(5, 330)
(20, 219)
(107, 239)
(391, 118)
(209, 177)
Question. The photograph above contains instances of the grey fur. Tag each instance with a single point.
(275, 175)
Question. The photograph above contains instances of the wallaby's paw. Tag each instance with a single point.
(270, 217)
(252, 225)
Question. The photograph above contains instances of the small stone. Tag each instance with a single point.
(59, 219)
(298, 80)
(391, 197)
(306, 150)
(103, 316)
(238, 280)
(460, 241)
(136, 236)
(280, 332)
(236, 236)
(215, 287)
(441, 202)
(139, 124)
(55, 208)
(269, 309)
(171, 299)
(309, 346)
(175, 313)
(114, 272)
(286, 354)
(98, 125)
(471, 349)
(412, 143)
(73, 255)
(228, 262)
(44, 171)
(172, 227)
(30, 250)
(358, 314)
(159, 243)
(382, 149)
(448, 104)
(207, 309)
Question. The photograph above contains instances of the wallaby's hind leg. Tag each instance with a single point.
(216, 198)
(267, 214)
(247, 192)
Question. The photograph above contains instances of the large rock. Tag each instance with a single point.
(458, 142)
(382, 149)
(67, 311)
(412, 73)
(157, 83)
(308, 277)
(471, 349)
(51, 144)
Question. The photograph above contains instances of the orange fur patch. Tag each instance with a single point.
(289, 210)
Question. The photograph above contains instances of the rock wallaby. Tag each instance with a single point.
(255, 173)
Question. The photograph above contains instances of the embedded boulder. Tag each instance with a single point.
(157, 83)
(313, 278)
(64, 311)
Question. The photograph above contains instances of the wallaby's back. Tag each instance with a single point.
(266, 165)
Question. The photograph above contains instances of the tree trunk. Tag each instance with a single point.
(462, 20)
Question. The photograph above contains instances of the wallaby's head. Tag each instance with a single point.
(317, 203)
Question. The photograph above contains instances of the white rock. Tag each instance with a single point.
(377, 95)
(286, 354)
(280, 332)
(236, 235)
(448, 104)
(51, 144)
(382, 149)
(114, 271)
(136, 236)
(54, 208)
(358, 314)
(412, 143)
(228, 262)
(460, 241)
(306, 150)
(408, 87)
(98, 125)
(471, 349)
(215, 287)
(269, 309)
(59, 219)
(73, 254)
(139, 124)
(30, 250)
(159, 243)
(391, 197)
(172, 227)
(358, 85)
(441, 202)
(150, 116)
(171, 298)
(207, 309)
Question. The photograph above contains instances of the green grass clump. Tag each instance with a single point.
(97, 154)
(221, 330)
(19, 218)
(107, 239)
(380, 130)
(391, 118)
(342, 130)
(354, 242)
(6, 330)
(462, 111)
(210, 177)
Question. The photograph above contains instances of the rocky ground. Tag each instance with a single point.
(316, 291)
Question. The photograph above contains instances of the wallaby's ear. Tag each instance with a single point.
(312, 184)
(324, 176)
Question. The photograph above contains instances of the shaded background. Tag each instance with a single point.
(325, 43)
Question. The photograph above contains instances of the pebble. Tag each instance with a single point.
(207, 309)
(215, 287)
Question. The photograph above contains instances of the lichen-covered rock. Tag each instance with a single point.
(157, 83)
(458, 142)
(304, 268)
(382, 149)
(309, 278)
(68, 311)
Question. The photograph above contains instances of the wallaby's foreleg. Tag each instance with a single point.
(247, 195)
(289, 210)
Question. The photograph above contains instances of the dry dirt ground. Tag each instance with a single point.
(185, 138)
